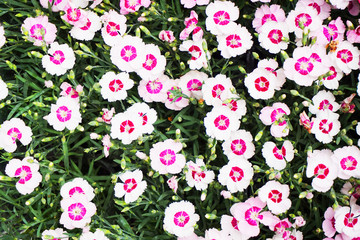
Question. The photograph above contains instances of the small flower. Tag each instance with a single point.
(198, 176)
(154, 63)
(266, 14)
(129, 6)
(346, 221)
(75, 16)
(326, 126)
(173, 183)
(276, 196)
(347, 160)
(272, 36)
(328, 225)
(199, 57)
(107, 144)
(276, 117)
(146, 114)
(226, 194)
(299, 221)
(87, 32)
(193, 81)
(167, 36)
(154, 90)
(180, 218)
(114, 27)
(27, 170)
(14, 130)
(261, 83)
(132, 187)
(216, 90)
(347, 106)
(126, 127)
(346, 57)
(221, 16)
(193, 3)
(275, 157)
(213, 233)
(54, 234)
(177, 98)
(239, 145)
(60, 58)
(114, 86)
(68, 91)
(323, 100)
(303, 18)
(322, 7)
(305, 121)
(107, 115)
(77, 186)
(39, 30)
(97, 235)
(191, 27)
(49, 84)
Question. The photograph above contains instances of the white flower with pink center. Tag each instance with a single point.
(177, 98)
(216, 89)
(14, 130)
(193, 82)
(97, 235)
(154, 90)
(234, 43)
(303, 18)
(348, 161)
(126, 127)
(193, 3)
(272, 36)
(266, 14)
(131, 6)
(239, 145)
(64, 114)
(146, 114)
(77, 186)
(221, 16)
(229, 225)
(39, 30)
(165, 158)
(321, 6)
(87, 32)
(114, 27)
(114, 86)
(236, 175)
(321, 166)
(276, 116)
(276, 196)
(278, 157)
(56, 5)
(347, 221)
(323, 100)
(272, 65)
(132, 185)
(197, 175)
(261, 83)
(75, 16)
(154, 63)
(77, 211)
(346, 57)
(326, 126)
(221, 122)
(60, 58)
(128, 54)
(27, 170)
(198, 56)
(304, 67)
(180, 218)
(56, 234)
(4, 91)
(235, 104)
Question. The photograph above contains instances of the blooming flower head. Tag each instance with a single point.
(107, 115)
(2, 36)
(266, 14)
(146, 114)
(326, 126)
(276, 196)
(321, 6)
(77, 186)
(180, 218)
(193, 3)
(167, 36)
(235, 104)
(272, 66)
(54, 234)
(230, 228)
(216, 89)
(322, 168)
(77, 211)
(276, 117)
(154, 90)
(132, 185)
(261, 83)
(275, 157)
(114, 27)
(323, 100)
(346, 221)
(75, 16)
(60, 58)
(198, 176)
(328, 225)
(347, 160)
(154, 63)
(131, 6)
(303, 18)
(305, 121)
(69, 91)
(198, 56)
(165, 158)
(39, 30)
(236, 175)
(126, 127)
(64, 114)
(128, 53)
(177, 98)
(346, 57)
(234, 43)
(239, 145)
(27, 170)
(114, 86)
(353, 36)
(221, 16)
(87, 32)
(272, 36)
(334, 31)
(97, 235)
(14, 130)
(193, 81)
(191, 27)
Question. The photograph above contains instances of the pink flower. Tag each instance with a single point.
(146, 114)
(347, 106)
(193, 3)
(75, 16)
(14, 130)
(303, 18)
(56, 5)
(275, 157)
(276, 117)
(239, 145)
(328, 224)
(321, 7)
(305, 121)
(347, 160)
(346, 57)
(132, 187)
(272, 36)
(126, 127)
(353, 36)
(39, 30)
(261, 83)
(114, 86)
(154, 63)
(48, 84)
(198, 176)
(191, 27)
(323, 100)
(346, 221)
(87, 32)
(107, 115)
(229, 226)
(167, 36)
(267, 13)
(276, 196)
(107, 144)
(221, 17)
(199, 57)
(60, 58)
(95, 3)
(97, 235)
(27, 170)
(333, 32)
(68, 91)
(226, 194)
(217, 89)
(340, 4)
(154, 90)
(114, 27)
(214, 234)
(77, 186)
(131, 6)
(177, 98)
(299, 221)
(193, 81)
(326, 126)
(173, 183)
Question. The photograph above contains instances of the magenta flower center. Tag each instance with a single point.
(171, 95)
(349, 220)
(87, 25)
(195, 52)
(325, 126)
(73, 14)
(234, 223)
(37, 31)
(345, 55)
(129, 185)
(116, 85)
(267, 18)
(181, 218)
(275, 196)
(232, 104)
(321, 171)
(58, 57)
(304, 66)
(325, 104)
(74, 190)
(233, 41)
(198, 176)
(63, 114)
(277, 115)
(194, 85)
(217, 90)
(25, 174)
(76, 211)
(150, 62)
(127, 126)
(221, 18)
(303, 18)
(279, 153)
(128, 53)
(238, 146)
(167, 157)
(252, 215)
(222, 122)
(275, 36)
(132, 4)
(154, 87)
(333, 75)
(236, 174)
(112, 29)
(262, 84)
(348, 163)
(316, 7)
(14, 133)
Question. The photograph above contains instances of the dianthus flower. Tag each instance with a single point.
(154, 90)
(216, 89)
(198, 56)
(39, 30)
(276, 196)
(75, 16)
(132, 185)
(347, 160)
(321, 6)
(275, 157)
(346, 57)
(303, 18)
(235, 104)
(266, 14)
(146, 114)
(114, 27)
(60, 58)
(323, 100)
(131, 6)
(239, 145)
(193, 81)
(177, 98)
(154, 63)
(221, 17)
(326, 126)
(54, 234)
(14, 130)
(198, 176)
(236, 175)
(114, 86)
(77, 186)
(328, 225)
(167, 36)
(276, 117)
(87, 32)
(126, 127)
(346, 221)
(272, 36)
(191, 27)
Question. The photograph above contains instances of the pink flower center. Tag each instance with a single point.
(321, 171)
(181, 218)
(63, 114)
(71, 92)
(238, 146)
(331, 77)
(195, 52)
(348, 163)
(87, 25)
(349, 220)
(267, 18)
(275, 36)
(325, 126)
(198, 176)
(279, 153)
(316, 7)
(14, 133)
(127, 126)
(275, 196)
(132, 4)
(129, 185)
(325, 104)
(314, 57)
(221, 18)
(281, 226)
(252, 215)
(217, 90)
(73, 14)
(150, 62)
(58, 57)
(276, 115)
(345, 55)
(37, 31)
(116, 85)
(144, 118)
(331, 32)
(128, 53)
(262, 84)
(25, 174)
(154, 87)
(234, 223)
(236, 174)
(303, 18)
(232, 104)
(74, 190)
(194, 85)
(233, 41)
(167, 157)
(171, 95)
(222, 122)
(304, 66)
(76, 211)
(112, 29)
